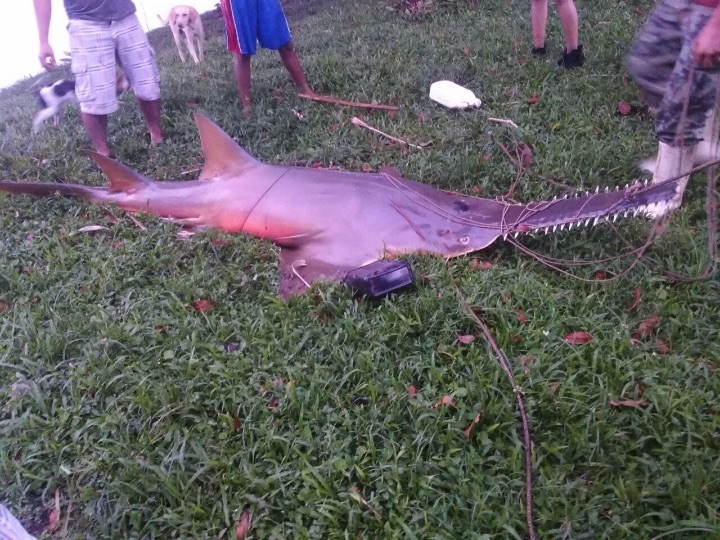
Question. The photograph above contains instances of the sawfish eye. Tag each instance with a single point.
(464, 240)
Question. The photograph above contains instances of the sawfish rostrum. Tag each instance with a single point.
(327, 222)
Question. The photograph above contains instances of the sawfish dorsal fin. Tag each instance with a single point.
(222, 153)
(121, 178)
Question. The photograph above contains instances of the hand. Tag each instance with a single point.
(47, 56)
(706, 47)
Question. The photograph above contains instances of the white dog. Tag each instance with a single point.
(186, 19)
(53, 97)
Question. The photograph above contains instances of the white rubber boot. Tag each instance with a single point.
(671, 162)
(709, 148)
(706, 150)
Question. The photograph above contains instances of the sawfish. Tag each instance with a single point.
(327, 222)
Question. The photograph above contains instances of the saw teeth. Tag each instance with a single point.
(597, 190)
(607, 189)
(596, 221)
(570, 225)
(615, 216)
(554, 228)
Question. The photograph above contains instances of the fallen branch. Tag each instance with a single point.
(335, 101)
(356, 121)
(519, 397)
(503, 121)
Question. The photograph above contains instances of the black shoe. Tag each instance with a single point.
(539, 51)
(573, 59)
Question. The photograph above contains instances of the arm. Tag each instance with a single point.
(706, 47)
(43, 13)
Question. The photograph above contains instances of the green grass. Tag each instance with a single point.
(151, 419)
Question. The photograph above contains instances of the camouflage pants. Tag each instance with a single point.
(660, 61)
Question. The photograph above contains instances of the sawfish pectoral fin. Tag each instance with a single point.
(298, 273)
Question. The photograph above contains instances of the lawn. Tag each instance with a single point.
(154, 385)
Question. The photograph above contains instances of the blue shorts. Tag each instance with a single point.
(249, 22)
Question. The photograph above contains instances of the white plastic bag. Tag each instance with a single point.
(453, 95)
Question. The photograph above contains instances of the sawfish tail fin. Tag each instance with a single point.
(40, 189)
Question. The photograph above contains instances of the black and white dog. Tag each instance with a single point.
(52, 98)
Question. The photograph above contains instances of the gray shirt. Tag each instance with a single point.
(99, 10)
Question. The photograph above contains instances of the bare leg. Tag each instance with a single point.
(538, 19)
(151, 112)
(292, 64)
(241, 63)
(96, 126)
(569, 22)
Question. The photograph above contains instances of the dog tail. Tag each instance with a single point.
(163, 21)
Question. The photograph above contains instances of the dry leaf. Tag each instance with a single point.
(53, 520)
(600, 275)
(636, 301)
(578, 338)
(244, 525)
(624, 108)
(203, 305)
(466, 51)
(629, 403)
(646, 326)
(412, 391)
(662, 347)
(521, 316)
(466, 339)
(3, 306)
(477, 264)
(446, 400)
(92, 228)
(54, 517)
(477, 420)
(533, 100)
(421, 118)
(525, 361)
(525, 153)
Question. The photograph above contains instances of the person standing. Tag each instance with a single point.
(675, 59)
(103, 32)
(248, 22)
(573, 55)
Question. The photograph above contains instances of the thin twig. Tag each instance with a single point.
(527, 440)
(334, 101)
(136, 222)
(356, 121)
(504, 121)
(300, 263)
